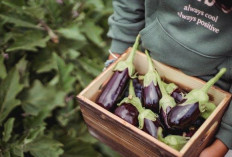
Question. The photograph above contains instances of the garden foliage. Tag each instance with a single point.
(49, 51)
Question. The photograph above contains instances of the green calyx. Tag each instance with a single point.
(169, 87)
(148, 114)
(201, 95)
(166, 100)
(209, 108)
(132, 99)
(174, 141)
(150, 76)
(128, 63)
(135, 101)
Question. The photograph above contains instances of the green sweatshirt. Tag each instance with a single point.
(192, 35)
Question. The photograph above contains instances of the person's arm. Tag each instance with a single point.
(224, 136)
(125, 23)
(217, 149)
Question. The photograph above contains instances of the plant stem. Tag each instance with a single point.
(161, 86)
(150, 63)
(134, 49)
(213, 80)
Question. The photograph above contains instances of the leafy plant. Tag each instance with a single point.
(49, 51)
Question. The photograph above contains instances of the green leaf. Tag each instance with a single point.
(18, 22)
(107, 151)
(10, 88)
(44, 147)
(48, 64)
(65, 79)
(3, 72)
(98, 4)
(90, 66)
(93, 32)
(29, 41)
(8, 127)
(72, 32)
(73, 54)
(21, 67)
(83, 77)
(77, 148)
(42, 98)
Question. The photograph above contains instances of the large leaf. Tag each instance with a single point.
(18, 22)
(77, 148)
(44, 147)
(48, 64)
(93, 32)
(29, 41)
(72, 32)
(10, 88)
(8, 127)
(41, 98)
(65, 79)
(3, 72)
(91, 66)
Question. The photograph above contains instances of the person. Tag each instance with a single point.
(194, 36)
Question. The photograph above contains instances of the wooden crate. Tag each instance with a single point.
(131, 141)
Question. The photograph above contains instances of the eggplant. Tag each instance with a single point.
(127, 112)
(122, 72)
(138, 89)
(184, 114)
(151, 91)
(135, 101)
(177, 93)
(194, 127)
(166, 102)
(151, 127)
(174, 141)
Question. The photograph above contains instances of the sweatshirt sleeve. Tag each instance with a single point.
(125, 23)
(225, 130)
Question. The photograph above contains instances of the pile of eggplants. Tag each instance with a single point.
(161, 109)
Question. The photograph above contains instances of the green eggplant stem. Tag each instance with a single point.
(150, 63)
(162, 89)
(134, 49)
(213, 80)
(131, 89)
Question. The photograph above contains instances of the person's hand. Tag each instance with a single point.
(112, 58)
(217, 149)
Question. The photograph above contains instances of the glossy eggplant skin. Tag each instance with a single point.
(151, 97)
(178, 94)
(151, 127)
(127, 112)
(113, 89)
(164, 116)
(194, 127)
(138, 90)
(181, 117)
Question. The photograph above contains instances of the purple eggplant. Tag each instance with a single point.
(138, 89)
(135, 101)
(176, 92)
(184, 114)
(151, 91)
(194, 127)
(166, 102)
(151, 127)
(127, 112)
(122, 72)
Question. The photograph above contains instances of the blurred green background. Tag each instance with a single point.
(49, 51)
